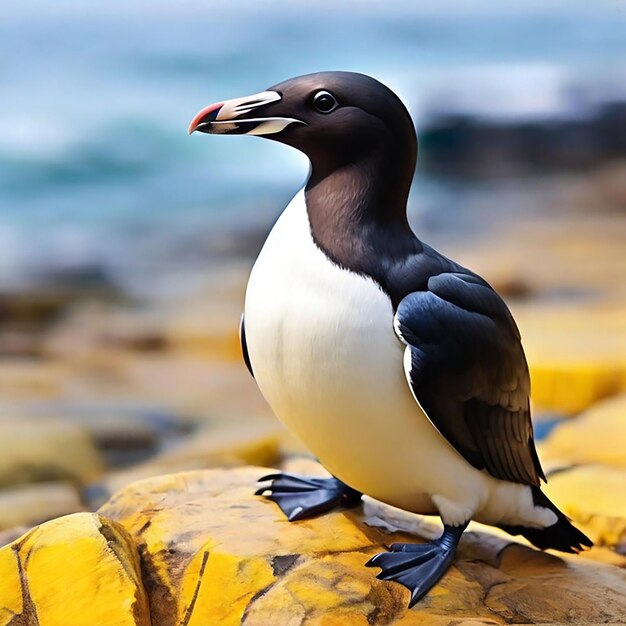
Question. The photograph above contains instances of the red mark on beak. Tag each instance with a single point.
(202, 115)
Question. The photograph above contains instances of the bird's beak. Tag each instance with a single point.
(240, 116)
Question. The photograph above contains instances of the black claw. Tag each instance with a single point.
(418, 566)
(302, 497)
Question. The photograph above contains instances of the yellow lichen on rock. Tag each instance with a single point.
(80, 569)
(221, 584)
(213, 553)
(11, 602)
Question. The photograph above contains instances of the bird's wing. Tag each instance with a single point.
(244, 345)
(466, 367)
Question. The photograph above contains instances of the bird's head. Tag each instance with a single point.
(335, 118)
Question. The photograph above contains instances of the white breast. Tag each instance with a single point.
(327, 360)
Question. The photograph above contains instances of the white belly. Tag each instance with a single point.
(327, 360)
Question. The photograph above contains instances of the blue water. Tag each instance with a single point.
(95, 163)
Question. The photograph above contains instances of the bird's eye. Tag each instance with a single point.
(324, 102)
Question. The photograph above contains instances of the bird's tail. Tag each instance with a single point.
(562, 535)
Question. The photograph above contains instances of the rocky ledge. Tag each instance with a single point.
(198, 548)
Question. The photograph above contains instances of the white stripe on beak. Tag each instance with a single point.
(236, 107)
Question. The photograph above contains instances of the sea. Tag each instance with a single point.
(97, 169)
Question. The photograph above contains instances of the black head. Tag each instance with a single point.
(336, 118)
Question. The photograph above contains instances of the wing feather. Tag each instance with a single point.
(468, 372)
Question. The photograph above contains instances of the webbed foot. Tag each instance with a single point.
(300, 497)
(419, 566)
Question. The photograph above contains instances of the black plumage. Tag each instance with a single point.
(244, 345)
(469, 374)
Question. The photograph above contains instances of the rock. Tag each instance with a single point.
(197, 389)
(611, 183)
(567, 388)
(189, 331)
(94, 325)
(11, 534)
(39, 305)
(120, 432)
(212, 553)
(45, 449)
(133, 330)
(253, 443)
(207, 323)
(20, 342)
(249, 443)
(461, 142)
(123, 431)
(32, 504)
(593, 496)
(596, 436)
(28, 379)
(537, 587)
(567, 375)
(81, 570)
(605, 555)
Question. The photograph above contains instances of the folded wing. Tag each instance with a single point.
(466, 367)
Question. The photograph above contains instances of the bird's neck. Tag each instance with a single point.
(374, 187)
(357, 211)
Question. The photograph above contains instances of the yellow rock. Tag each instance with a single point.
(253, 443)
(41, 449)
(605, 555)
(198, 549)
(593, 496)
(213, 553)
(596, 436)
(570, 386)
(79, 570)
(246, 540)
(187, 329)
(577, 355)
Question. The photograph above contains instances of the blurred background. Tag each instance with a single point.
(125, 244)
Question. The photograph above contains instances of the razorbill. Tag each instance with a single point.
(401, 370)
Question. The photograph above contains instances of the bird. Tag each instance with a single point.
(402, 371)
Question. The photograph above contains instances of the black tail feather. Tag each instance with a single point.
(562, 535)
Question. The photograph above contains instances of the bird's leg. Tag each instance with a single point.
(418, 566)
(300, 497)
